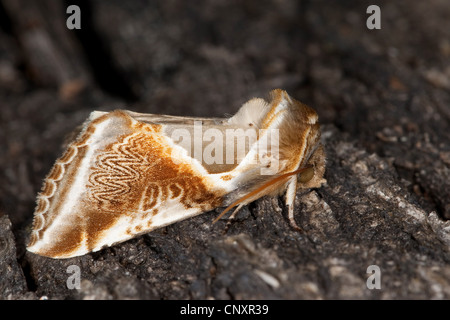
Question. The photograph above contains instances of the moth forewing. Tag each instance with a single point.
(128, 173)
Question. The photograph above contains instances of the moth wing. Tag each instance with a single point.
(117, 180)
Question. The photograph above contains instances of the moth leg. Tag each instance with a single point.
(290, 198)
(232, 217)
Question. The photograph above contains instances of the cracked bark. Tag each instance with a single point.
(382, 97)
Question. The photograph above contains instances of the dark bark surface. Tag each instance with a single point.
(383, 97)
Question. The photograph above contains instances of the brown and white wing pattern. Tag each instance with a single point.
(128, 173)
(115, 181)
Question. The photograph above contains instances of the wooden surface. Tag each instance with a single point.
(383, 97)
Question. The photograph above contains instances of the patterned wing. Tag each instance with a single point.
(115, 181)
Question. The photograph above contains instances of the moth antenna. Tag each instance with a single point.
(258, 190)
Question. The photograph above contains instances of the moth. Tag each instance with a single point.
(129, 173)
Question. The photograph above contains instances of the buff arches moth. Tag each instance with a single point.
(129, 173)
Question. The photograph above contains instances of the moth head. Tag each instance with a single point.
(306, 175)
(312, 176)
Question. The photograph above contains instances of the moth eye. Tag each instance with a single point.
(250, 124)
(306, 175)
